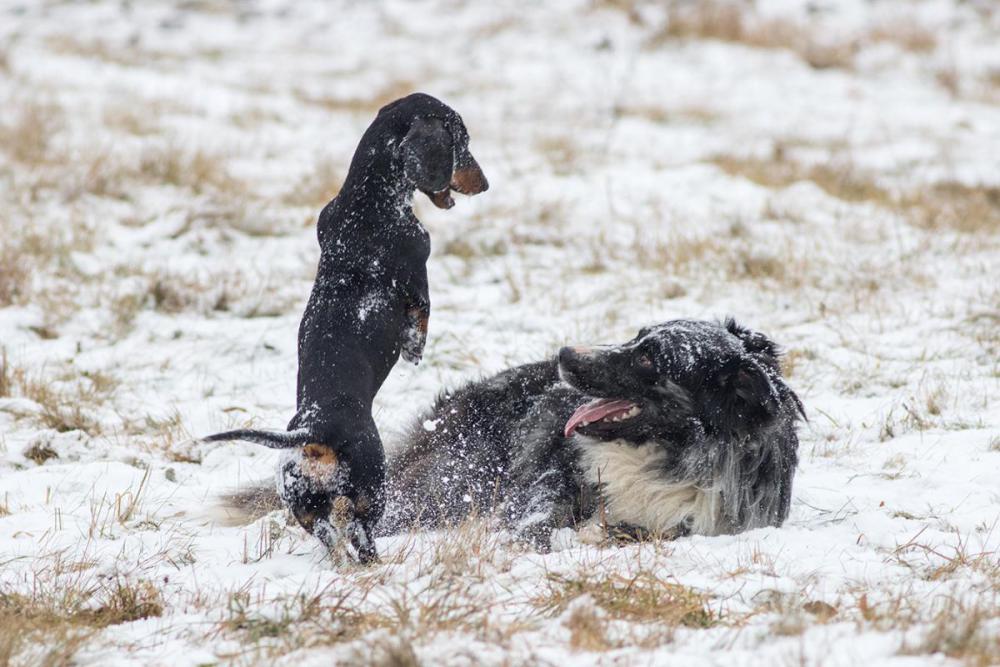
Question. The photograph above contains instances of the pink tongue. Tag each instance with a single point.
(595, 410)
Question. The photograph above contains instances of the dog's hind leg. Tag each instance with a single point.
(334, 538)
(343, 534)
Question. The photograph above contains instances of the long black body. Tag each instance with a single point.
(693, 430)
(369, 304)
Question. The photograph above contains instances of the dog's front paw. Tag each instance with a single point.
(415, 335)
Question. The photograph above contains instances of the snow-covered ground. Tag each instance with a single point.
(827, 172)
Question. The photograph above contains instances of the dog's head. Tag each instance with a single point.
(434, 149)
(722, 375)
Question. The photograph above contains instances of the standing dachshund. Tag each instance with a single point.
(369, 305)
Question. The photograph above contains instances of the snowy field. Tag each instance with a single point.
(827, 172)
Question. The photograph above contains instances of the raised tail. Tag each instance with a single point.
(272, 439)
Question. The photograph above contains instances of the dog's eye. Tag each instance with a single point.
(644, 361)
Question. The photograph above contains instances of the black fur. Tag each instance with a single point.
(369, 305)
(714, 414)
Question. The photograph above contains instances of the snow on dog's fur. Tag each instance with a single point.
(689, 427)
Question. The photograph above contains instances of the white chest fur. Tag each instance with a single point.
(636, 491)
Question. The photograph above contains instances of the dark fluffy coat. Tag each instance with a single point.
(689, 427)
(369, 305)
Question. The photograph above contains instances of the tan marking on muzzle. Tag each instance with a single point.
(422, 318)
(469, 180)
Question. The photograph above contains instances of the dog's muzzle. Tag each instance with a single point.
(467, 179)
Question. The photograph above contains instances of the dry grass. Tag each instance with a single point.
(564, 153)
(448, 599)
(204, 293)
(964, 631)
(936, 562)
(951, 205)
(472, 549)
(906, 33)
(664, 115)
(130, 54)
(738, 22)
(642, 598)
(945, 205)
(28, 138)
(588, 628)
(64, 404)
(197, 170)
(31, 249)
(360, 105)
(139, 118)
(50, 625)
(330, 617)
(40, 452)
(307, 621)
(735, 22)
(317, 187)
(959, 627)
(838, 179)
(792, 358)
(383, 651)
(72, 171)
(6, 375)
(15, 273)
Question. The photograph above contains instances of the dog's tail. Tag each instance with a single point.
(246, 505)
(272, 439)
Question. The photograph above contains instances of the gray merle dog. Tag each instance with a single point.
(687, 428)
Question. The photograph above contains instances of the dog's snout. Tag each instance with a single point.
(469, 179)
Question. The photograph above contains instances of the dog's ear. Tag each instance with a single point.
(428, 155)
(750, 398)
(765, 350)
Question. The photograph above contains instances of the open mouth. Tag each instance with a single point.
(467, 180)
(442, 199)
(604, 410)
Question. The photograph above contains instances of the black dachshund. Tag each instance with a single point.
(369, 305)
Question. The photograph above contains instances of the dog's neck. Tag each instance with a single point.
(376, 184)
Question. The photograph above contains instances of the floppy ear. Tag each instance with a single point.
(750, 399)
(428, 155)
(753, 341)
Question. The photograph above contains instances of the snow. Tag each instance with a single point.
(169, 304)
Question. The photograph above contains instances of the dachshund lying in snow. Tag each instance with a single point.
(369, 305)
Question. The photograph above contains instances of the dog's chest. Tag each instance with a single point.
(636, 490)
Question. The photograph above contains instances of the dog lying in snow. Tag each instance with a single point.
(369, 305)
(687, 428)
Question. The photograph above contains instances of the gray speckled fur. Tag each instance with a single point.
(713, 451)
